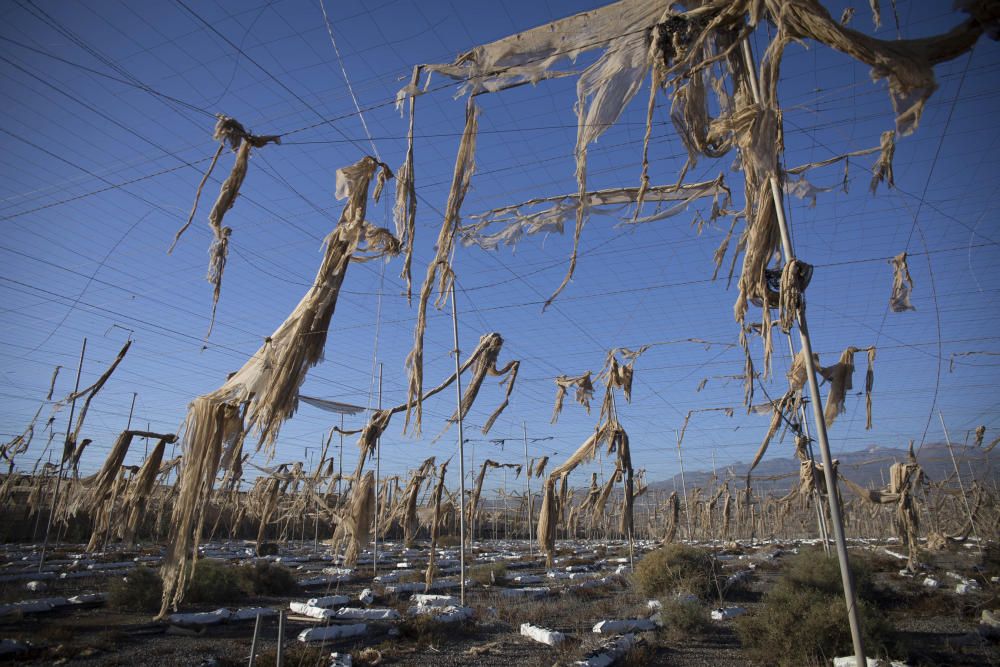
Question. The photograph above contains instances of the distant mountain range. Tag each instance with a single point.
(867, 467)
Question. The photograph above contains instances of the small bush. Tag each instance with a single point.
(804, 618)
(267, 549)
(488, 573)
(264, 578)
(424, 631)
(683, 619)
(677, 568)
(214, 582)
(139, 590)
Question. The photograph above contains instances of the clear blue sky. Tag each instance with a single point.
(97, 175)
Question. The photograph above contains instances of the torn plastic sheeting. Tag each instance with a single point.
(543, 635)
(331, 632)
(517, 223)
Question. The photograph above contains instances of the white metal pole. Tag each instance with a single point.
(833, 497)
(461, 445)
(527, 489)
(378, 472)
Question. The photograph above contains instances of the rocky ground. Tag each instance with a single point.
(938, 625)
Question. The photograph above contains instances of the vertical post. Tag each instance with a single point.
(62, 459)
(279, 658)
(340, 468)
(961, 484)
(684, 488)
(378, 472)
(253, 642)
(820, 421)
(527, 489)
(461, 445)
(817, 496)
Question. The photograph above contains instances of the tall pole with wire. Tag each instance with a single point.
(62, 459)
(378, 471)
(527, 487)
(461, 445)
(847, 577)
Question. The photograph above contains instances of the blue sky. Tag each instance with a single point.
(98, 173)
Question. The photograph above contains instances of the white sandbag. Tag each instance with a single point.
(305, 609)
(543, 635)
(201, 618)
(622, 626)
(726, 613)
(429, 600)
(328, 601)
(331, 632)
(355, 614)
(608, 652)
(250, 613)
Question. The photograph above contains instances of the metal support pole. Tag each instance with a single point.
(253, 642)
(820, 421)
(62, 458)
(461, 445)
(527, 489)
(378, 471)
(279, 657)
(684, 489)
(961, 484)
(820, 517)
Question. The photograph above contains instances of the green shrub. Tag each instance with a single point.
(264, 578)
(804, 619)
(214, 582)
(677, 568)
(683, 619)
(139, 590)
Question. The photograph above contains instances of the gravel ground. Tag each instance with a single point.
(940, 624)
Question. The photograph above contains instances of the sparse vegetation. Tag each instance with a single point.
(677, 568)
(804, 619)
(682, 619)
(488, 573)
(139, 590)
(215, 582)
(265, 578)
